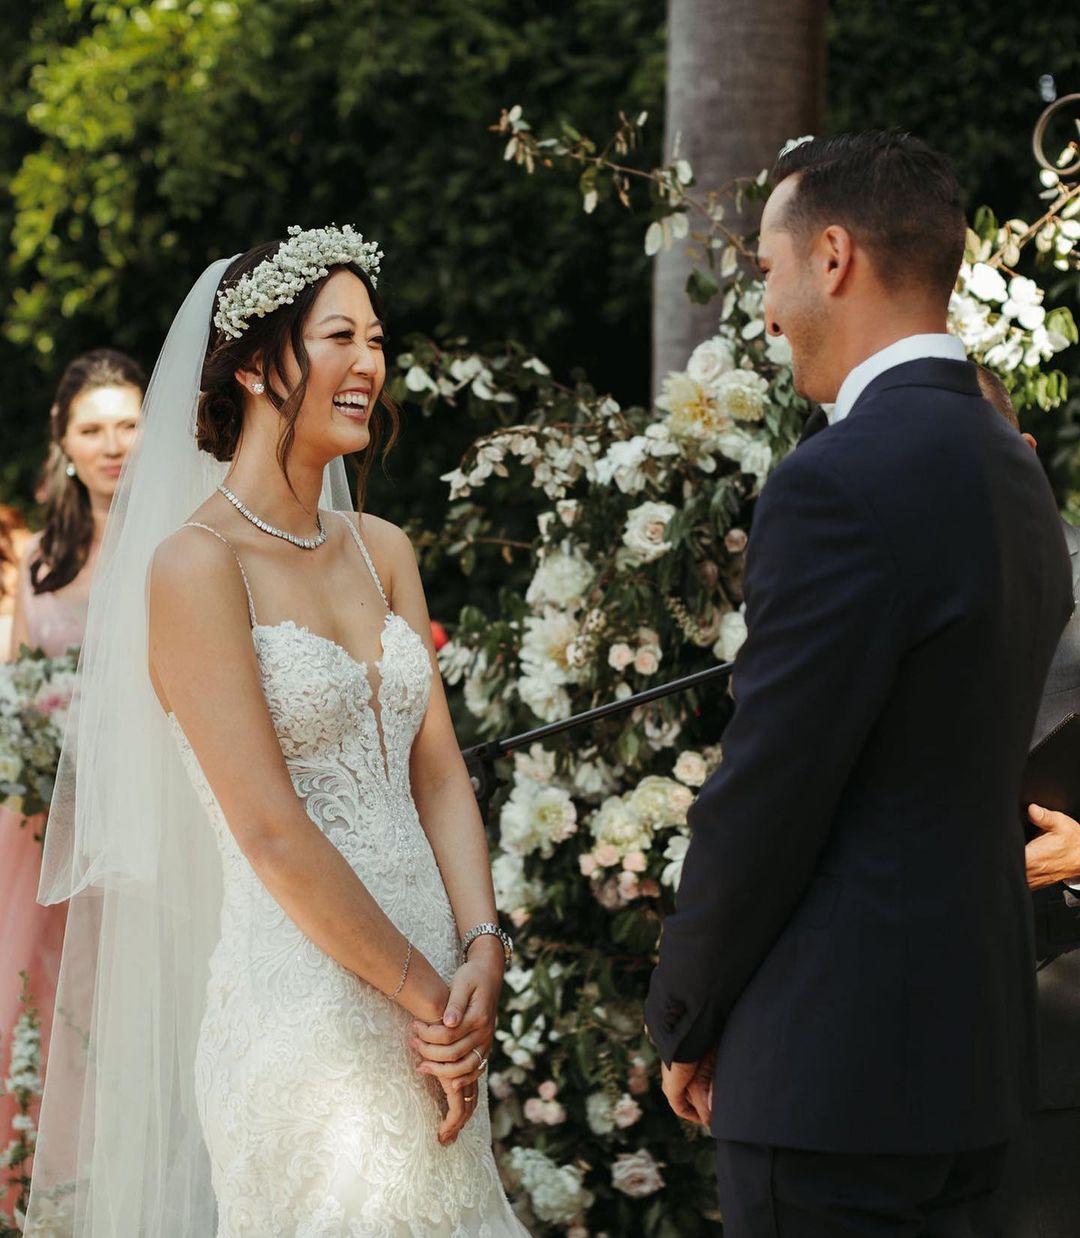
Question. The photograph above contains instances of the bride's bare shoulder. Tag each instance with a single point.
(389, 546)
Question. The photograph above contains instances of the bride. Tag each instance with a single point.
(282, 966)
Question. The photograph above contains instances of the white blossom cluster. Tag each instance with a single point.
(557, 1192)
(303, 259)
(35, 696)
(1003, 323)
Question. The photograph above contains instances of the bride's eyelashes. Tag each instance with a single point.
(379, 340)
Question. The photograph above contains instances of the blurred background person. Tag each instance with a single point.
(1040, 1191)
(93, 422)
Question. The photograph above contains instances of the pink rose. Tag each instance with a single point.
(620, 656)
(646, 662)
(634, 862)
(548, 1090)
(534, 1109)
(606, 855)
(735, 541)
(587, 862)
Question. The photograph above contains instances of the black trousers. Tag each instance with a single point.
(1040, 1191)
(770, 1192)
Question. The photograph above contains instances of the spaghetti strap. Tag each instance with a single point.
(367, 558)
(194, 524)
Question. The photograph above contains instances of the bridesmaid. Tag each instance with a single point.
(93, 422)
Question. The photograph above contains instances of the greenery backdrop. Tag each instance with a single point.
(141, 140)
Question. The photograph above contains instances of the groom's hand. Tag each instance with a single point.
(1055, 854)
(688, 1087)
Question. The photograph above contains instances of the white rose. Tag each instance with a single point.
(694, 415)
(562, 579)
(536, 817)
(742, 395)
(659, 801)
(647, 661)
(626, 1112)
(644, 535)
(690, 769)
(623, 463)
(620, 656)
(547, 647)
(616, 824)
(636, 1174)
(732, 635)
(710, 359)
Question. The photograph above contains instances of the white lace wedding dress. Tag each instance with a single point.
(316, 1121)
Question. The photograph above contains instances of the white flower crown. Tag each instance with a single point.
(301, 260)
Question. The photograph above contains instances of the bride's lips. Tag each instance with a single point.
(358, 413)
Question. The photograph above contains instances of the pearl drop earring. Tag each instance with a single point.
(258, 388)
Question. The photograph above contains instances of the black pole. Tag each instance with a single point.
(480, 759)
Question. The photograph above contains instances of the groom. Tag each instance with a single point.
(852, 944)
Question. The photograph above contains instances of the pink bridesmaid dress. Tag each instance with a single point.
(31, 936)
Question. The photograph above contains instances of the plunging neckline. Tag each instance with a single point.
(374, 703)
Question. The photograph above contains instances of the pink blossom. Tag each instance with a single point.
(606, 855)
(534, 1109)
(548, 1090)
(634, 862)
(587, 863)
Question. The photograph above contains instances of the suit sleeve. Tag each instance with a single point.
(825, 635)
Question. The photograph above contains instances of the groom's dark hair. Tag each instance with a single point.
(896, 195)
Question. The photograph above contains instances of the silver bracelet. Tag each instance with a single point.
(404, 971)
(483, 930)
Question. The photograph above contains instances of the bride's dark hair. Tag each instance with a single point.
(220, 415)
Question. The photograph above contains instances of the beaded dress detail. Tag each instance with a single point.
(315, 1119)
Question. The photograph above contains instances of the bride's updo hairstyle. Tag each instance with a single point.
(220, 415)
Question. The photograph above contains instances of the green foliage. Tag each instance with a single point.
(150, 138)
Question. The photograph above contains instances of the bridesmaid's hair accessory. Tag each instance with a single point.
(404, 971)
(301, 260)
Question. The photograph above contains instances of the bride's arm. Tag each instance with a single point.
(451, 819)
(203, 663)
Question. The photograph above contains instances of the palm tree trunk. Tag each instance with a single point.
(742, 77)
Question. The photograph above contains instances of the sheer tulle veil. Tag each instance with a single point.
(120, 1151)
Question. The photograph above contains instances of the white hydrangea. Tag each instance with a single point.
(616, 825)
(536, 817)
(644, 535)
(300, 261)
(557, 1192)
(660, 802)
(562, 579)
(514, 892)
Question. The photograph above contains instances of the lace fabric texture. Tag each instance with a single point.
(316, 1121)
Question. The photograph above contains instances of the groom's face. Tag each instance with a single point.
(794, 305)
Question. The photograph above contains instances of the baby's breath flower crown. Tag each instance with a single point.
(301, 260)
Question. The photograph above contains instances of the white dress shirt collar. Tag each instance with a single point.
(911, 348)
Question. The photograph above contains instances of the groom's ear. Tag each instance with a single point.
(836, 250)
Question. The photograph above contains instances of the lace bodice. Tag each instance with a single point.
(315, 1118)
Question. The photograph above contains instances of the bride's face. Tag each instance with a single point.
(347, 368)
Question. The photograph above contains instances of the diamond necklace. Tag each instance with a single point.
(305, 543)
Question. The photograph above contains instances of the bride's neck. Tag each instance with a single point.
(263, 488)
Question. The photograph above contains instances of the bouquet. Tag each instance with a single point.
(35, 695)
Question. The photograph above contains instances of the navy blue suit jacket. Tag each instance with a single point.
(853, 927)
